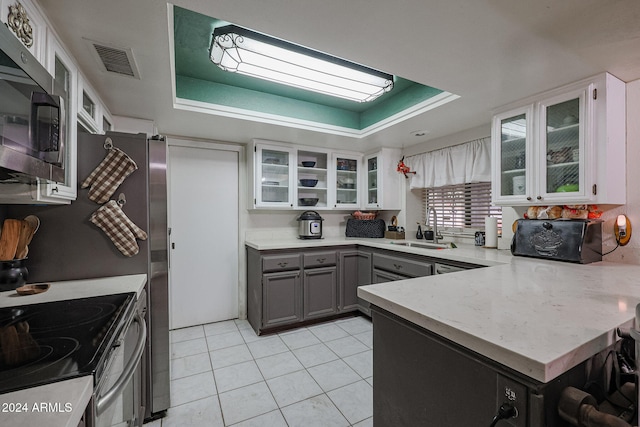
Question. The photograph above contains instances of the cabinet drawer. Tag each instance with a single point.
(402, 266)
(280, 262)
(319, 259)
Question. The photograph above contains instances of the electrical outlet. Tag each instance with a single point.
(514, 393)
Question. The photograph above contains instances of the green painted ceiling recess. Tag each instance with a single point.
(198, 79)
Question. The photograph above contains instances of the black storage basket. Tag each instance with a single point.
(365, 228)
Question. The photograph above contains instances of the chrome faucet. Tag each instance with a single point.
(435, 224)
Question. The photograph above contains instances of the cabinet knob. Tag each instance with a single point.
(539, 197)
(283, 264)
(55, 189)
(529, 198)
(397, 266)
(320, 260)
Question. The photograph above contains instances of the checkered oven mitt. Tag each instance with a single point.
(109, 174)
(118, 227)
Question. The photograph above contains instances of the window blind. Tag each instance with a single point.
(461, 205)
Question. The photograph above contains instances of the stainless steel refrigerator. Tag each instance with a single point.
(68, 246)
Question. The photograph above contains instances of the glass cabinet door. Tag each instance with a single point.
(62, 67)
(347, 169)
(514, 157)
(273, 179)
(373, 195)
(563, 140)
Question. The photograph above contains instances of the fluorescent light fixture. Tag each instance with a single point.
(237, 49)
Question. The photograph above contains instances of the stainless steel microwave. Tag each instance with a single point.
(32, 115)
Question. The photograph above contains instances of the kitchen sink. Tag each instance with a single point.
(424, 245)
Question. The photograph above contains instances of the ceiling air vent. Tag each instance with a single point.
(115, 59)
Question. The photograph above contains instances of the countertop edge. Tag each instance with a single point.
(74, 289)
(61, 404)
(543, 371)
(466, 253)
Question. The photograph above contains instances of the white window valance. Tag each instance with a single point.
(460, 164)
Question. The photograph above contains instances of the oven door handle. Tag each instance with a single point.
(109, 397)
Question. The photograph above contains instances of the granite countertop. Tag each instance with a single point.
(538, 317)
(61, 403)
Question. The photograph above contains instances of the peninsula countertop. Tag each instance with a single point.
(61, 403)
(538, 317)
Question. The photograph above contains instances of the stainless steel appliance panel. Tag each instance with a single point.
(157, 384)
(32, 116)
(117, 399)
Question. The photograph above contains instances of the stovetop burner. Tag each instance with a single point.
(48, 342)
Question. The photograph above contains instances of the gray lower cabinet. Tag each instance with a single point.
(388, 267)
(423, 379)
(355, 270)
(281, 298)
(320, 289)
(285, 288)
(381, 276)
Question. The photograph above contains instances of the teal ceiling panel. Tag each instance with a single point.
(198, 79)
(260, 102)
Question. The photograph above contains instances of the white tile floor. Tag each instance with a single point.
(222, 374)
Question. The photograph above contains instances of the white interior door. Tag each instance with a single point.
(203, 212)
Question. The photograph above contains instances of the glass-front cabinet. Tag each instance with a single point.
(563, 147)
(562, 137)
(347, 172)
(65, 74)
(371, 163)
(291, 176)
(273, 176)
(512, 152)
(382, 181)
(300, 177)
(312, 179)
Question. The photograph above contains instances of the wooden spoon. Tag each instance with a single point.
(9, 238)
(34, 224)
(25, 232)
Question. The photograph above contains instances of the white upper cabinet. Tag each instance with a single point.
(286, 176)
(25, 20)
(63, 69)
(566, 146)
(93, 116)
(273, 181)
(312, 178)
(382, 181)
(347, 182)
(82, 104)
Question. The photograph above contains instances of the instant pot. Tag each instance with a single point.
(310, 225)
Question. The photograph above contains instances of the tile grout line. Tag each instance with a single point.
(238, 329)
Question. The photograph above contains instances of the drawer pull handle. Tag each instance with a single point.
(320, 260)
(397, 266)
(283, 264)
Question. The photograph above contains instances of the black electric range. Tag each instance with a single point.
(54, 341)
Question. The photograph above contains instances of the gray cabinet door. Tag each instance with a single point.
(381, 276)
(355, 270)
(281, 297)
(320, 292)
